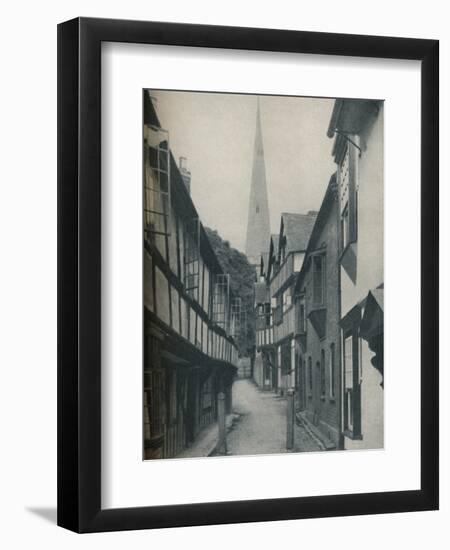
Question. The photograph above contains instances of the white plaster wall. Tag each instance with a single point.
(372, 405)
(369, 274)
(369, 247)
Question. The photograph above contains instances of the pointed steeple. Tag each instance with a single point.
(258, 228)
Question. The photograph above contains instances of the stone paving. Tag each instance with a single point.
(262, 425)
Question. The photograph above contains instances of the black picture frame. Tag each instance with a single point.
(79, 274)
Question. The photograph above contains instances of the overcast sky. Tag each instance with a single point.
(216, 133)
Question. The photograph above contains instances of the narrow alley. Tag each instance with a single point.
(242, 339)
(262, 425)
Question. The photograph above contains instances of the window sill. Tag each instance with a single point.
(317, 306)
(322, 398)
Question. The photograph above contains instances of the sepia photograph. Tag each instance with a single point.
(263, 274)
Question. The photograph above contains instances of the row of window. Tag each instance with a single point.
(177, 240)
(291, 265)
(283, 302)
(166, 398)
(351, 379)
(174, 310)
(319, 377)
(348, 195)
(265, 337)
(267, 318)
(347, 176)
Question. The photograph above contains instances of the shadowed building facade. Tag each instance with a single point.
(189, 352)
(318, 379)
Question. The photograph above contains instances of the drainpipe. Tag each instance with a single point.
(290, 419)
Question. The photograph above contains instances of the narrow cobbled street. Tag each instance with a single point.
(262, 425)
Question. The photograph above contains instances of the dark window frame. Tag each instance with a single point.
(310, 375)
(349, 214)
(314, 257)
(300, 313)
(322, 374)
(350, 330)
(332, 373)
(345, 227)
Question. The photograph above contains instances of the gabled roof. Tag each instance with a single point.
(297, 229)
(319, 222)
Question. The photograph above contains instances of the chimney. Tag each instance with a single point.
(185, 174)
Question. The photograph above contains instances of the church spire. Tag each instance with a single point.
(258, 228)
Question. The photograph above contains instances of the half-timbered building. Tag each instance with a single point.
(189, 351)
(265, 372)
(276, 315)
